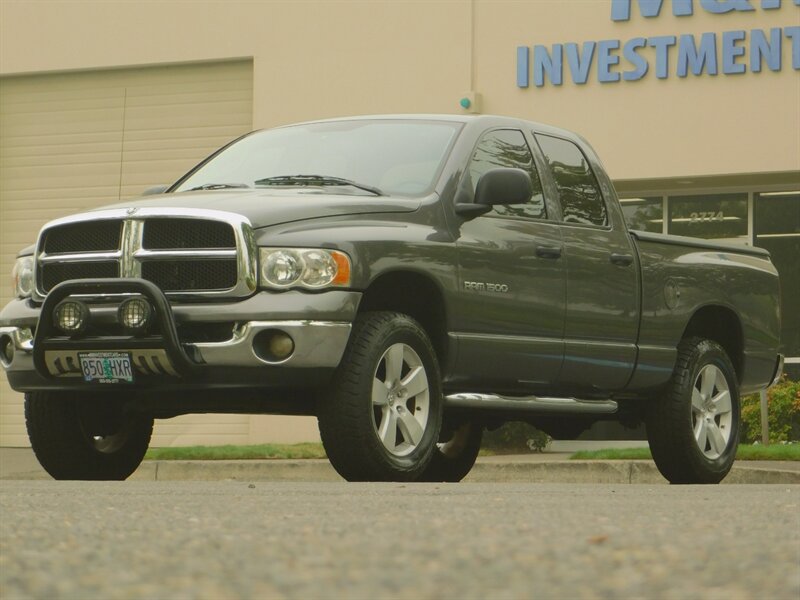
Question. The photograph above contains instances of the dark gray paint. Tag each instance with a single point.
(578, 322)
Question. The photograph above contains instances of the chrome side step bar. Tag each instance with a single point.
(531, 404)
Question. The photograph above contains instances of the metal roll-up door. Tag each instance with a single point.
(78, 140)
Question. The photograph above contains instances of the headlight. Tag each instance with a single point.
(312, 268)
(23, 276)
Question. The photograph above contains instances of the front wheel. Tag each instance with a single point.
(693, 429)
(76, 438)
(381, 420)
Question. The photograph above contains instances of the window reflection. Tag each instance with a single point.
(508, 148)
(581, 200)
(644, 214)
(709, 216)
(777, 229)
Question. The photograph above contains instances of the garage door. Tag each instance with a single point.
(73, 141)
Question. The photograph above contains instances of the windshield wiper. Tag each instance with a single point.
(321, 180)
(219, 186)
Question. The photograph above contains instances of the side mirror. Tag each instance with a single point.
(156, 189)
(503, 186)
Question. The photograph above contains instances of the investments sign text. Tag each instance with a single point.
(712, 53)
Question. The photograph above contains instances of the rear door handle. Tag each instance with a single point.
(548, 251)
(623, 260)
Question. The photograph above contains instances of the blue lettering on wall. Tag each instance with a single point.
(523, 66)
(793, 33)
(621, 9)
(579, 64)
(731, 51)
(719, 7)
(691, 57)
(545, 63)
(616, 60)
(606, 59)
(639, 62)
(760, 48)
(662, 44)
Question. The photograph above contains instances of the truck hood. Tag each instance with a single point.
(272, 207)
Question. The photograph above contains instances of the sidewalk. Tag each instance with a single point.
(548, 467)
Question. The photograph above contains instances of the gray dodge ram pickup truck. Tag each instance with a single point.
(408, 280)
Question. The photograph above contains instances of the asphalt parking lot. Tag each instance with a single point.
(232, 539)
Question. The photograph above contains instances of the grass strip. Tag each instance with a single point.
(251, 452)
(745, 452)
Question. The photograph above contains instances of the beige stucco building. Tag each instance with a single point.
(695, 110)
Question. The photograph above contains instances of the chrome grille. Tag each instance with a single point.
(203, 252)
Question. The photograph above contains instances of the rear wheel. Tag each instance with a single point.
(693, 429)
(382, 418)
(455, 454)
(78, 439)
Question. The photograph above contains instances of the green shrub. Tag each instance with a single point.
(515, 438)
(783, 408)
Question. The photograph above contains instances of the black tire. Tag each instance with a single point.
(693, 428)
(72, 443)
(455, 454)
(371, 438)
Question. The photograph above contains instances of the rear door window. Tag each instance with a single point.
(578, 190)
(508, 148)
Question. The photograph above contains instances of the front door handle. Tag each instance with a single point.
(623, 260)
(548, 251)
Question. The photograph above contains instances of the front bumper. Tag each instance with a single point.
(48, 360)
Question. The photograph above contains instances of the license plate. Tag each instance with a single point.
(106, 367)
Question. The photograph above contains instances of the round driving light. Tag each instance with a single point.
(135, 314)
(6, 350)
(71, 316)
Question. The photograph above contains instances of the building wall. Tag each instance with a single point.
(328, 58)
(325, 58)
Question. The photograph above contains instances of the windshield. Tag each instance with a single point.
(367, 157)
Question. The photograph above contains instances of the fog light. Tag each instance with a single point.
(281, 345)
(135, 315)
(71, 316)
(273, 345)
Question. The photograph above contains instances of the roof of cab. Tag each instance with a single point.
(486, 120)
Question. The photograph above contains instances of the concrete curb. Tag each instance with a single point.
(21, 464)
(608, 472)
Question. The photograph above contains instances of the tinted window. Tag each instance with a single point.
(400, 157)
(643, 214)
(581, 200)
(508, 148)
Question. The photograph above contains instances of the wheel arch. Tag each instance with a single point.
(722, 325)
(416, 295)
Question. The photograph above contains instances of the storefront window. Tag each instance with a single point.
(712, 216)
(777, 229)
(643, 214)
